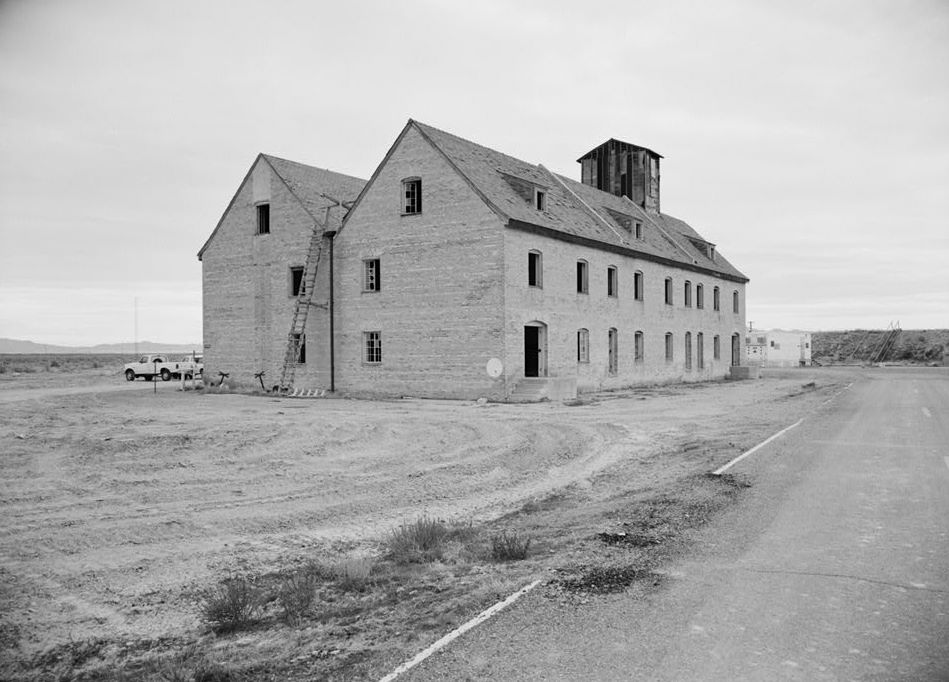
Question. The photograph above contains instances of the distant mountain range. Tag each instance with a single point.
(17, 346)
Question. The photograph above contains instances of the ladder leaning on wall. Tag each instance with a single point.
(303, 302)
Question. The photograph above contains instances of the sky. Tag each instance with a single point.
(808, 139)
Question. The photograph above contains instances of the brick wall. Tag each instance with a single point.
(440, 308)
(247, 305)
(564, 311)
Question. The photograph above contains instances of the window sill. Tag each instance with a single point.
(409, 214)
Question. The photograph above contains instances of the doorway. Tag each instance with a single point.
(535, 349)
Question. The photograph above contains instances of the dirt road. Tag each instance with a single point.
(118, 505)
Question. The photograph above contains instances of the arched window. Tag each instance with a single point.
(687, 294)
(716, 347)
(688, 350)
(639, 348)
(700, 349)
(716, 299)
(668, 291)
(612, 282)
(583, 345)
(735, 307)
(669, 351)
(583, 277)
(638, 285)
(699, 296)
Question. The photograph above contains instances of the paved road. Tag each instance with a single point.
(834, 567)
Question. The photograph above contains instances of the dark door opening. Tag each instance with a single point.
(736, 350)
(531, 351)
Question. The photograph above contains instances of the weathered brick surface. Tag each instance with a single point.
(440, 309)
(246, 287)
(558, 305)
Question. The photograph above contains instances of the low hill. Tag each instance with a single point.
(920, 346)
(21, 347)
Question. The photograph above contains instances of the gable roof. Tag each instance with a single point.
(574, 211)
(315, 188)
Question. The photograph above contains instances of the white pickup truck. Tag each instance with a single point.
(161, 364)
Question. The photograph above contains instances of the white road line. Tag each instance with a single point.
(455, 634)
(927, 412)
(721, 470)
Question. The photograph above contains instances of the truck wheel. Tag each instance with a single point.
(130, 375)
(165, 375)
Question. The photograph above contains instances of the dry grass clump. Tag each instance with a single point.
(422, 541)
(234, 604)
(509, 547)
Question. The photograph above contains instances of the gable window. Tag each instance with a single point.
(540, 199)
(263, 218)
(669, 350)
(699, 296)
(535, 272)
(638, 229)
(638, 285)
(668, 291)
(583, 285)
(297, 286)
(411, 196)
(583, 345)
(716, 299)
(372, 347)
(716, 347)
(735, 306)
(372, 275)
(612, 283)
(688, 350)
(688, 294)
(638, 348)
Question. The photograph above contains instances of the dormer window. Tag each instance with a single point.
(638, 229)
(411, 196)
(540, 199)
(711, 251)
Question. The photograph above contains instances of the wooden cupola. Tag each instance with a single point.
(623, 169)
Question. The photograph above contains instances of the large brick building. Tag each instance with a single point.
(457, 271)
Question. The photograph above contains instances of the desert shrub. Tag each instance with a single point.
(232, 605)
(54, 363)
(419, 542)
(353, 572)
(296, 594)
(509, 547)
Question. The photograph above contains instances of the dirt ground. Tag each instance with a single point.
(119, 503)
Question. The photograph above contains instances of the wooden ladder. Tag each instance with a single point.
(301, 307)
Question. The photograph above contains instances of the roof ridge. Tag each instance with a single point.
(589, 208)
(311, 167)
(472, 143)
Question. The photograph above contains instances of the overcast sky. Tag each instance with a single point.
(809, 140)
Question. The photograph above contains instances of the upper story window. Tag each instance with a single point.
(411, 196)
(612, 282)
(716, 299)
(699, 296)
(540, 199)
(638, 285)
(638, 230)
(535, 269)
(583, 283)
(735, 307)
(263, 218)
(687, 294)
(583, 345)
(372, 275)
(668, 291)
(297, 286)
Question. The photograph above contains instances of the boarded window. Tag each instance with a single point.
(668, 291)
(612, 282)
(699, 296)
(613, 339)
(535, 271)
(716, 299)
(716, 348)
(583, 285)
(700, 349)
(297, 285)
(412, 195)
(263, 218)
(638, 285)
(372, 275)
(372, 341)
(669, 349)
(688, 350)
(639, 346)
(583, 345)
(638, 227)
(687, 294)
(735, 307)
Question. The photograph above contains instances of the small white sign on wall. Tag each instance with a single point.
(494, 368)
